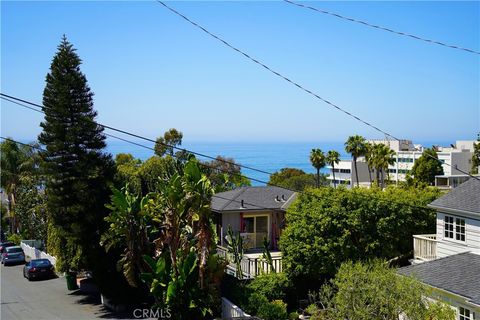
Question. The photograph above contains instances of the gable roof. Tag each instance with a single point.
(254, 199)
(465, 197)
(458, 274)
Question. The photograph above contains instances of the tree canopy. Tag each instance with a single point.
(427, 167)
(327, 226)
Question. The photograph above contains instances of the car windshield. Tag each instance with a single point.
(40, 263)
(14, 250)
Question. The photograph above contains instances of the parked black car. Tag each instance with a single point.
(13, 255)
(38, 268)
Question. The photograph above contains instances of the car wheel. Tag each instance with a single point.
(29, 278)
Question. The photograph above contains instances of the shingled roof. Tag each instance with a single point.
(458, 274)
(254, 198)
(465, 197)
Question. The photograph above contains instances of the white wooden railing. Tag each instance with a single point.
(425, 247)
(251, 267)
(231, 311)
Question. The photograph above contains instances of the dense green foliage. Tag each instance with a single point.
(295, 179)
(224, 174)
(379, 157)
(77, 170)
(185, 273)
(476, 156)
(168, 143)
(327, 226)
(427, 167)
(373, 291)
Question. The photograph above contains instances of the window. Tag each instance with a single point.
(454, 228)
(448, 227)
(465, 314)
(392, 170)
(460, 229)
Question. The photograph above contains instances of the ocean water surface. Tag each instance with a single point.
(269, 157)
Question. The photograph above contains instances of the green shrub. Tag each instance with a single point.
(293, 315)
(273, 286)
(327, 226)
(275, 310)
(255, 301)
(15, 238)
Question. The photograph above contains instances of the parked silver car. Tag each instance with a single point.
(13, 255)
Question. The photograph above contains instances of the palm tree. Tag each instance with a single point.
(369, 157)
(317, 158)
(333, 158)
(356, 146)
(380, 157)
(14, 163)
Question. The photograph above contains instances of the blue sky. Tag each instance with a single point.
(151, 71)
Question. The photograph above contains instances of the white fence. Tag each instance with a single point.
(425, 247)
(231, 311)
(34, 253)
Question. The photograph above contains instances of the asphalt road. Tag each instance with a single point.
(45, 299)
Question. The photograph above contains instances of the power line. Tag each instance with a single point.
(278, 74)
(28, 104)
(291, 81)
(213, 196)
(400, 33)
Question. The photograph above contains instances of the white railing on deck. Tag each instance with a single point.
(425, 247)
(231, 311)
(251, 267)
(34, 253)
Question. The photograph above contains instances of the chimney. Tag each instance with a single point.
(241, 205)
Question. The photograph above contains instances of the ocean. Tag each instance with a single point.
(268, 157)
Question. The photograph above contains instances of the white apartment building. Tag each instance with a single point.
(456, 156)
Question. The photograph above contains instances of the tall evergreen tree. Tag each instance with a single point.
(78, 172)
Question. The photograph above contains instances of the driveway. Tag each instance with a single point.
(45, 299)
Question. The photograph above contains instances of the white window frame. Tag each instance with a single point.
(471, 313)
(455, 227)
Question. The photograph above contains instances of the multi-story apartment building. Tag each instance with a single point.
(455, 158)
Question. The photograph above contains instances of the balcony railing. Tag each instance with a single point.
(251, 265)
(425, 247)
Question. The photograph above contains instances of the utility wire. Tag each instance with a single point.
(293, 82)
(24, 102)
(400, 33)
(278, 74)
(28, 104)
(213, 196)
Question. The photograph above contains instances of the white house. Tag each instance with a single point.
(449, 260)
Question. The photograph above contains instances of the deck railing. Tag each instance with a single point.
(251, 266)
(425, 247)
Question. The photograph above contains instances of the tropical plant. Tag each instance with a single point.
(235, 249)
(333, 158)
(317, 159)
(356, 146)
(128, 223)
(380, 156)
(267, 256)
(13, 163)
(184, 273)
